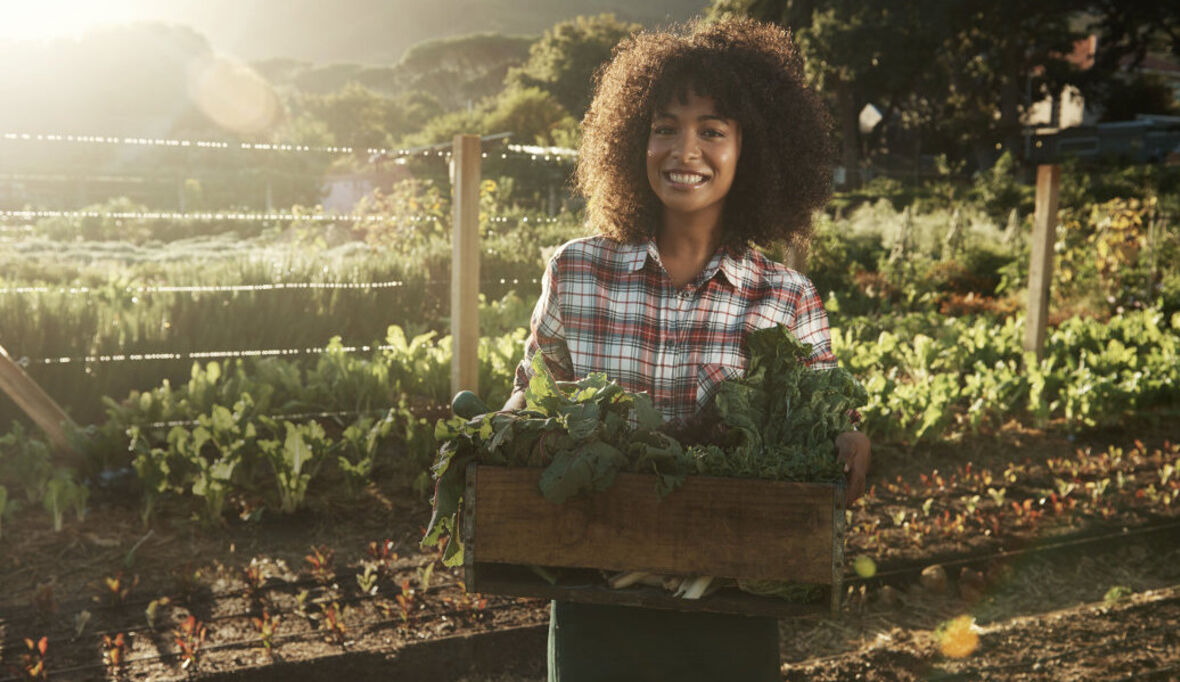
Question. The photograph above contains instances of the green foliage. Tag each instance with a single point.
(564, 60)
(531, 114)
(358, 117)
(929, 377)
(779, 422)
(782, 417)
(998, 190)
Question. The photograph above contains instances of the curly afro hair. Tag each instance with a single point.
(754, 74)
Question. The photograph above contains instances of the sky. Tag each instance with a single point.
(366, 31)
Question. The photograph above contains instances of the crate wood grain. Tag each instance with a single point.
(732, 528)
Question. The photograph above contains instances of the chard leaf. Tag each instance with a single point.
(566, 476)
(580, 420)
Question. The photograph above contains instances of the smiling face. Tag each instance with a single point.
(692, 155)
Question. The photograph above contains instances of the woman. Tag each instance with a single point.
(697, 143)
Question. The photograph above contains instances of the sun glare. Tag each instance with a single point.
(44, 19)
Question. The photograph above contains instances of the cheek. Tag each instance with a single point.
(652, 162)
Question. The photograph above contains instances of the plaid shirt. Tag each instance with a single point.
(610, 307)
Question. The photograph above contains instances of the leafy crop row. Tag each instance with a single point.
(929, 376)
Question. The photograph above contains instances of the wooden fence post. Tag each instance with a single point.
(36, 403)
(1040, 266)
(465, 264)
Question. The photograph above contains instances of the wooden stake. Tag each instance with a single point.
(36, 403)
(1040, 266)
(465, 264)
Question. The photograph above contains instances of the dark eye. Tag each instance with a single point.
(711, 132)
(662, 130)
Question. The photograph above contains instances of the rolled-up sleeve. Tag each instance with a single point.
(811, 327)
(546, 333)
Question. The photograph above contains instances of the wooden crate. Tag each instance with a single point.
(722, 527)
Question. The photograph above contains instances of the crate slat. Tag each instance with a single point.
(735, 528)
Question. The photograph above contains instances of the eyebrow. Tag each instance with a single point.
(705, 117)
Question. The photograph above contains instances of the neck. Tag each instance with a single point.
(693, 236)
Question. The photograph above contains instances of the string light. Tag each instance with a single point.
(248, 217)
(547, 153)
(199, 355)
(218, 216)
(533, 151)
(212, 288)
(238, 288)
(213, 144)
(523, 219)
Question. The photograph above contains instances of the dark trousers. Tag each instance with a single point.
(597, 643)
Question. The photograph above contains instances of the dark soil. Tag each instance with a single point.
(55, 585)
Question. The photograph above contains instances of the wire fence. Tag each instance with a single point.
(245, 288)
(17, 224)
(531, 152)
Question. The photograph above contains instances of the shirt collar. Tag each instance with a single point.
(737, 269)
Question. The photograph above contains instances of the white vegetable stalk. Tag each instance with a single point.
(694, 588)
(627, 579)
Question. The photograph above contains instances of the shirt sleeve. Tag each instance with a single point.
(546, 334)
(811, 327)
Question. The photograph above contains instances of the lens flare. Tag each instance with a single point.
(958, 638)
(233, 95)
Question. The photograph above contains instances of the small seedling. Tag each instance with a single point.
(118, 588)
(367, 581)
(405, 601)
(152, 612)
(321, 563)
(301, 604)
(189, 637)
(255, 578)
(333, 615)
(114, 652)
(466, 602)
(33, 662)
(1117, 593)
(424, 576)
(382, 552)
(266, 625)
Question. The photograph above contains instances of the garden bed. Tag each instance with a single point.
(112, 568)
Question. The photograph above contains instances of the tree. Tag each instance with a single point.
(461, 70)
(856, 52)
(355, 116)
(532, 115)
(959, 74)
(564, 60)
(1000, 56)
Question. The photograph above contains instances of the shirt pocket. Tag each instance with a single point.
(709, 377)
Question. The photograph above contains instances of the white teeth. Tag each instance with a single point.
(686, 178)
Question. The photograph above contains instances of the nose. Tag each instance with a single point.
(686, 147)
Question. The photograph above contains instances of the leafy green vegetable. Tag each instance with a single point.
(782, 417)
(581, 432)
(778, 422)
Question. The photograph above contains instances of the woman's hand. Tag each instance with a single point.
(515, 402)
(855, 452)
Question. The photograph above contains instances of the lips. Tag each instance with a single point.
(686, 178)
